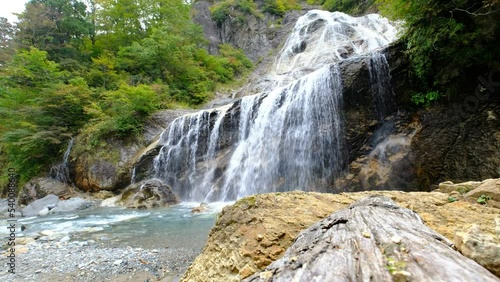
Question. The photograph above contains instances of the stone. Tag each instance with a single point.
(203, 207)
(111, 202)
(234, 250)
(102, 195)
(148, 194)
(489, 187)
(24, 240)
(71, 205)
(44, 212)
(35, 207)
(482, 247)
(47, 232)
(40, 187)
(462, 188)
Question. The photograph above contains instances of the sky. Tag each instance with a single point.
(7, 7)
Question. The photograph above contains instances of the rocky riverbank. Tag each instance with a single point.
(93, 261)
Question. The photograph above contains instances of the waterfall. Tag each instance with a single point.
(184, 146)
(380, 79)
(60, 171)
(291, 135)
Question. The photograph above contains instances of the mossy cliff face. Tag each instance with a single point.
(108, 166)
(257, 230)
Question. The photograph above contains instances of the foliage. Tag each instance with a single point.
(452, 199)
(425, 99)
(483, 199)
(7, 50)
(234, 9)
(280, 7)
(444, 39)
(121, 112)
(352, 7)
(39, 110)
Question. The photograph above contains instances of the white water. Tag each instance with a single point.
(288, 138)
(321, 38)
(60, 172)
(174, 225)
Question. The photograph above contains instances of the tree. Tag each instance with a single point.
(7, 48)
(56, 26)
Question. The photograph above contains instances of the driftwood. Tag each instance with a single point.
(372, 240)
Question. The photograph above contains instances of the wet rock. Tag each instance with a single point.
(200, 209)
(49, 202)
(148, 194)
(456, 146)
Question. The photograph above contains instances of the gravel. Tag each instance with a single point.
(65, 260)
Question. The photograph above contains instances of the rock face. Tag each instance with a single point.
(257, 230)
(71, 205)
(255, 35)
(458, 148)
(148, 194)
(372, 240)
(111, 168)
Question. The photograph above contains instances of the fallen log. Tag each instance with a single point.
(372, 240)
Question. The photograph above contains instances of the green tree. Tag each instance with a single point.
(56, 26)
(7, 46)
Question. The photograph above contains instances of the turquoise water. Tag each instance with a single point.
(174, 226)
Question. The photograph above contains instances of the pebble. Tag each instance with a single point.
(88, 261)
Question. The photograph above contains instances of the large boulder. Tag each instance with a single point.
(148, 194)
(46, 203)
(40, 187)
(71, 205)
(257, 230)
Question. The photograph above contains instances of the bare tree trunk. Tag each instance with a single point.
(372, 240)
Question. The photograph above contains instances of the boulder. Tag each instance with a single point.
(372, 239)
(148, 194)
(71, 205)
(40, 187)
(480, 246)
(33, 209)
(489, 188)
(257, 230)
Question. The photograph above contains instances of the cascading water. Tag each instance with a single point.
(288, 138)
(380, 79)
(60, 171)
